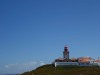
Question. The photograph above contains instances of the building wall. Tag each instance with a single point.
(56, 64)
(66, 63)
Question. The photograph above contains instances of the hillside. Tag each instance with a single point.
(69, 70)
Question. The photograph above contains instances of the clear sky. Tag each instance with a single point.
(34, 32)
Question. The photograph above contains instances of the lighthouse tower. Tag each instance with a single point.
(66, 53)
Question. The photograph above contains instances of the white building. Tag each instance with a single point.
(56, 64)
(82, 61)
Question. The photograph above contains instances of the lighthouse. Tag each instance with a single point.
(66, 53)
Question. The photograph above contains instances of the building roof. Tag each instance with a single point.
(97, 60)
(84, 59)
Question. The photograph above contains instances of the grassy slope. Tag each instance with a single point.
(70, 70)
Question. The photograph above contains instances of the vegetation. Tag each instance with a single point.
(69, 70)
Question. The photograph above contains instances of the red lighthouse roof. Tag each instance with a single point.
(66, 48)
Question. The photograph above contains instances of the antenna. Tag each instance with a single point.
(98, 58)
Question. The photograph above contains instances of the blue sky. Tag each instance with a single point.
(34, 32)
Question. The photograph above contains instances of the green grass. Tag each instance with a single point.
(68, 70)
